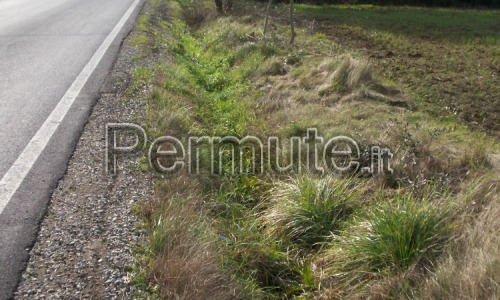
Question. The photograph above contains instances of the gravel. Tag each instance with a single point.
(84, 249)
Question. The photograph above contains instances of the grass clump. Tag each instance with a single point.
(391, 237)
(274, 68)
(403, 232)
(307, 210)
(262, 264)
(259, 261)
(351, 79)
(353, 73)
(181, 260)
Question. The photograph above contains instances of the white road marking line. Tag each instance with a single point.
(23, 164)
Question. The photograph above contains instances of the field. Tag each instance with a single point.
(418, 81)
(449, 58)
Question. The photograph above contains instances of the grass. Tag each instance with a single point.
(447, 58)
(401, 232)
(394, 235)
(181, 259)
(308, 211)
(212, 81)
(440, 24)
(304, 236)
(470, 268)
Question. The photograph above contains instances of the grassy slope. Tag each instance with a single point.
(448, 58)
(223, 237)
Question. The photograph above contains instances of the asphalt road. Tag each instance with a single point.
(44, 45)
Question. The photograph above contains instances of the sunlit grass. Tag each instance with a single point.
(266, 236)
(389, 238)
(308, 211)
(450, 24)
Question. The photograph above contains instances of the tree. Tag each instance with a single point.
(292, 25)
(267, 16)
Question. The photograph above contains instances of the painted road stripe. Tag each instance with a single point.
(23, 164)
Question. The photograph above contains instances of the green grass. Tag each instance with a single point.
(403, 231)
(140, 41)
(261, 263)
(141, 76)
(208, 74)
(309, 211)
(273, 237)
(441, 24)
(392, 236)
(446, 58)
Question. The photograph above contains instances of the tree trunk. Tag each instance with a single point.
(267, 16)
(292, 25)
(220, 6)
(223, 5)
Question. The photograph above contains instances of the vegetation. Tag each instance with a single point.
(447, 58)
(247, 236)
(308, 211)
(443, 3)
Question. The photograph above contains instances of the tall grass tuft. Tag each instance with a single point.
(392, 237)
(402, 232)
(307, 210)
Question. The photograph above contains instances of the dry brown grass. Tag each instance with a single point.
(349, 75)
(196, 12)
(189, 268)
(344, 78)
(353, 73)
(470, 270)
(185, 263)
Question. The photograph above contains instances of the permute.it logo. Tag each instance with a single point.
(233, 155)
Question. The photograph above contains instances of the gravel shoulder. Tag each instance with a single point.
(84, 249)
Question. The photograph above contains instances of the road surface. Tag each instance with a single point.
(54, 55)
